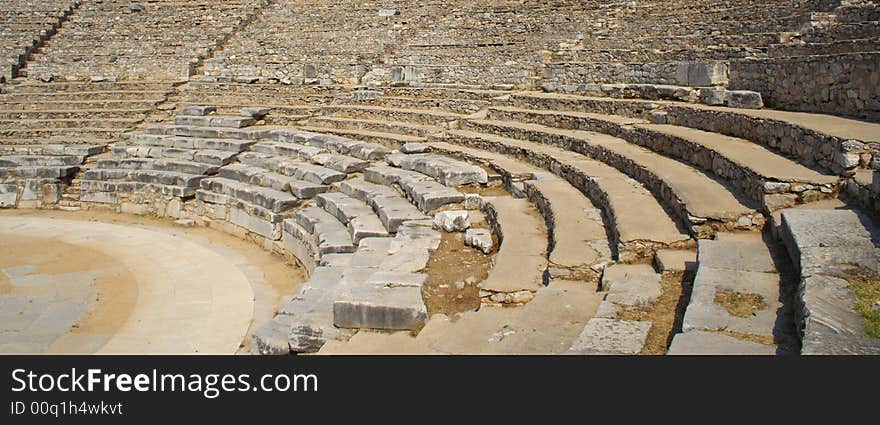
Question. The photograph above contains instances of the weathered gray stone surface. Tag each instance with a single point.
(197, 110)
(675, 260)
(703, 343)
(703, 313)
(8, 195)
(747, 255)
(447, 171)
(611, 336)
(480, 239)
(631, 284)
(452, 221)
(843, 244)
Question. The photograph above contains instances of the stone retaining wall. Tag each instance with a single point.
(835, 84)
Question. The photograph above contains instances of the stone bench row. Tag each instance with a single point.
(836, 144)
(765, 178)
(831, 250)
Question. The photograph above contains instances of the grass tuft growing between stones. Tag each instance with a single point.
(666, 313)
(867, 292)
(740, 304)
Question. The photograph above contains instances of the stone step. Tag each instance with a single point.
(361, 221)
(828, 248)
(264, 197)
(296, 169)
(457, 106)
(179, 166)
(39, 160)
(421, 116)
(37, 172)
(294, 150)
(80, 96)
(92, 87)
(223, 121)
(700, 202)
(386, 300)
(382, 126)
(342, 163)
(705, 343)
(86, 105)
(261, 177)
(624, 201)
(422, 190)
(230, 145)
(763, 176)
(811, 138)
(331, 236)
(107, 191)
(393, 210)
(26, 114)
(306, 322)
(252, 133)
(578, 239)
(232, 106)
(52, 149)
(521, 262)
(447, 171)
(332, 143)
(737, 289)
(206, 156)
(393, 140)
(62, 132)
(158, 177)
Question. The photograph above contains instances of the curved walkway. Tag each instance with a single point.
(189, 298)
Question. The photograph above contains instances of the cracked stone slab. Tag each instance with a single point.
(611, 336)
(631, 284)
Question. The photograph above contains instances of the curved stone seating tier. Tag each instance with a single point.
(826, 257)
(26, 27)
(760, 175)
(37, 176)
(86, 113)
(578, 242)
(699, 201)
(625, 202)
(834, 143)
(199, 26)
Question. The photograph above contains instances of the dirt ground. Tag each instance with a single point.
(115, 288)
(666, 313)
(273, 276)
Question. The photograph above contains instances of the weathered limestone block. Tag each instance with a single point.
(452, 221)
(197, 110)
(8, 195)
(744, 99)
(480, 239)
(631, 284)
(611, 336)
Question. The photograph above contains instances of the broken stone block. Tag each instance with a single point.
(480, 239)
(413, 148)
(744, 99)
(452, 221)
(255, 112)
(713, 96)
(611, 336)
(701, 74)
(197, 110)
(8, 195)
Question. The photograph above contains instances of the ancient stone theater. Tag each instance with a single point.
(440, 177)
